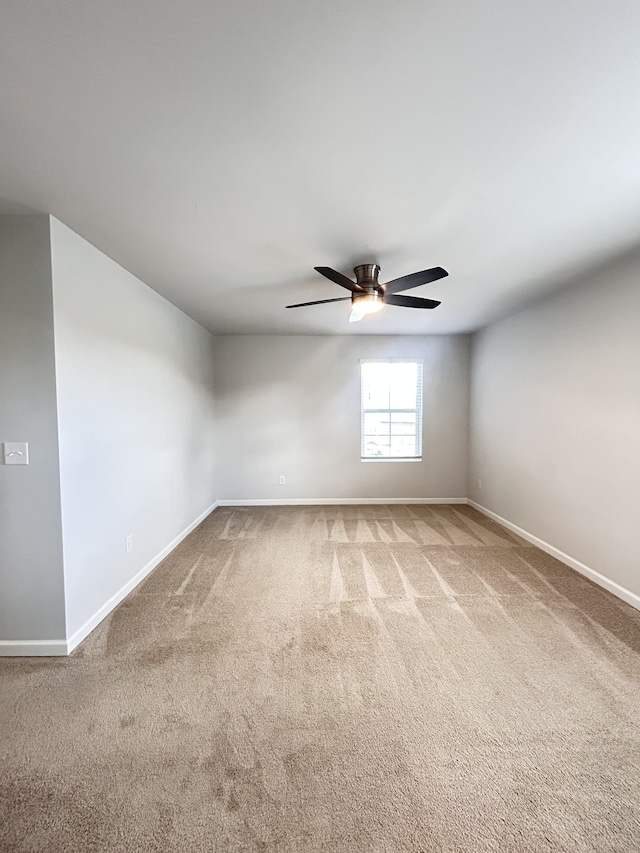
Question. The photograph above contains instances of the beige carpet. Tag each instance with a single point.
(373, 678)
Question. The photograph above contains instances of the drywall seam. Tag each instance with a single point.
(124, 591)
(339, 501)
(603, 581)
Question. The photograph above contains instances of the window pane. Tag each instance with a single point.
(403, 378)
(375, 445)
(403, 423)
(375, 386)
(376, 423)
(391, 387)
(402, 445)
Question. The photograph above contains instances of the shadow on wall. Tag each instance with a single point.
(9, 207)
(574, 275)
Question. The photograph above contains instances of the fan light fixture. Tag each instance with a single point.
(363, 304)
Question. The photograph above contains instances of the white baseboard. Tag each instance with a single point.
(124, 591)
(339, 501)
(603, 581)
(32, 648)
(41, 648)
(46, 648)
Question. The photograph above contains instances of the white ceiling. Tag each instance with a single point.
(221, 150)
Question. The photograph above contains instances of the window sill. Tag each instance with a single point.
(391, 458)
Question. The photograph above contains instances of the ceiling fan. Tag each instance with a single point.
(368, 295)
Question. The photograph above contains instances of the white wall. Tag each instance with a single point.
(31, 577)
(291, 405)
(136, 422)
(555, 421)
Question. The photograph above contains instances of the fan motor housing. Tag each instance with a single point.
(367, 276)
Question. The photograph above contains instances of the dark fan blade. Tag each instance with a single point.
(320, 302)
(409, 301)
(338, 278)
(415, 279)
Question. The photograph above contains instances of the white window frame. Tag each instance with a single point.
(417, 411)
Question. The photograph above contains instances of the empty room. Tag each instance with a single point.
(319, 426)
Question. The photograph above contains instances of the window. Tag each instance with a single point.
(391, 406)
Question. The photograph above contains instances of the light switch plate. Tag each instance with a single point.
(16, 453)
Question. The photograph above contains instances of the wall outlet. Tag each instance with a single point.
(479, 481)
(129, 543)
(282, 480)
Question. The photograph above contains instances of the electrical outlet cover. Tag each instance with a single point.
(16, 453)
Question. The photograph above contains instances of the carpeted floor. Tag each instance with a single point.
(358, 678)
